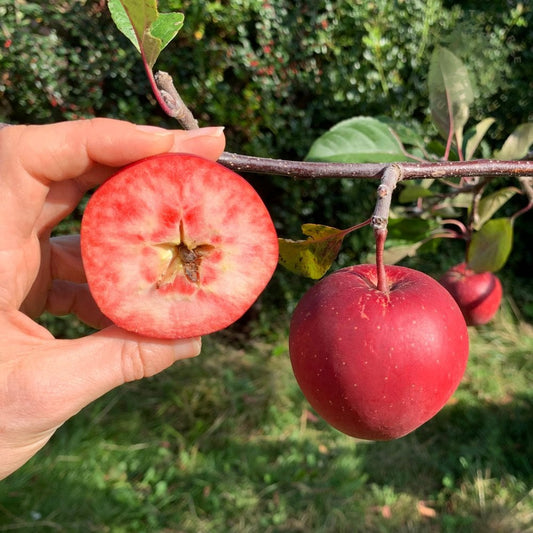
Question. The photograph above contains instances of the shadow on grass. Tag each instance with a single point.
(461, 439)
(225, 443)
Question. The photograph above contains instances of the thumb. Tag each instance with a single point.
(73, 373)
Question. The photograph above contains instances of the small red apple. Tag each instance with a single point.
(376, 365)
(478, 294)
(177, 246)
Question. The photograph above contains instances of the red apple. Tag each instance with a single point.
(177, 246)
(376, 365)
(478, 294)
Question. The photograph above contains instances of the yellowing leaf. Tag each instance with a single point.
(313, 256)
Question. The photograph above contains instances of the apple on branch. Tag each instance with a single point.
(378, 349)
(177, 246)
(478, 294)
(376, 363)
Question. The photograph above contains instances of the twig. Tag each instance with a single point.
(392, 175)
(379, 220)
(176, 106)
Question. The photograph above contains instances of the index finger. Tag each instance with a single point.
(67, 150)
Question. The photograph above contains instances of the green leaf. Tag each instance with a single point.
(406, 133)
(411, 192)
(395, 254)
(410, 229)
(314, 256)
(358, 140)
(491, 203)
(450, 93)
(405, 237)
(517, 144)
(148, 30)
(491, 245)
(461, 200)
(166, 26)
(122, 21)
(475, 135)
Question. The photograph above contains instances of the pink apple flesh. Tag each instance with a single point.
(478, 294)
(176, 246)
(374, 365)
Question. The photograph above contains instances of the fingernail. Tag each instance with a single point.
(185, 348)
(210, 131)
(198, 343)
(154, 130)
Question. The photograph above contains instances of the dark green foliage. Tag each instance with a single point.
(277, 73)
(63, 60)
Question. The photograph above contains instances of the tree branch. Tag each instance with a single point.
(410, 170)
(175, 107)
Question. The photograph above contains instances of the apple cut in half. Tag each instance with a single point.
(176, 246)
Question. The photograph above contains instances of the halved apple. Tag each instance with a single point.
(177, 246)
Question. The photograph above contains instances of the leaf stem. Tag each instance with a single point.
(465, 233)
(159, 95)
(527, 186)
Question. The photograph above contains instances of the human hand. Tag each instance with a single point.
(45, 171)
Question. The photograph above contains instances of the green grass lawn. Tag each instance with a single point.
(227, 443)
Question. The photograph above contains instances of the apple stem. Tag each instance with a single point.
(391, 176)
(380, 236)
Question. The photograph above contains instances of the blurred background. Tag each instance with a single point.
(227, 443)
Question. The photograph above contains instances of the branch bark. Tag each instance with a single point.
(410, 170)
(176, 106)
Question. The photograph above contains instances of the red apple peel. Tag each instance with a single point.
(376, 365)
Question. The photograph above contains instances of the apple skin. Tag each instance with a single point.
(478, 294)
(373, 365)
(176, 246)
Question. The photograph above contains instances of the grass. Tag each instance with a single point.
(226, 442)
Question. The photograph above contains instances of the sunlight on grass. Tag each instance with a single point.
(226, 442)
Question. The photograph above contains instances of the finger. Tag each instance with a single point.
(75, 149)
(65, 259)
(66, 297)
(60, 260)
(73, 373)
